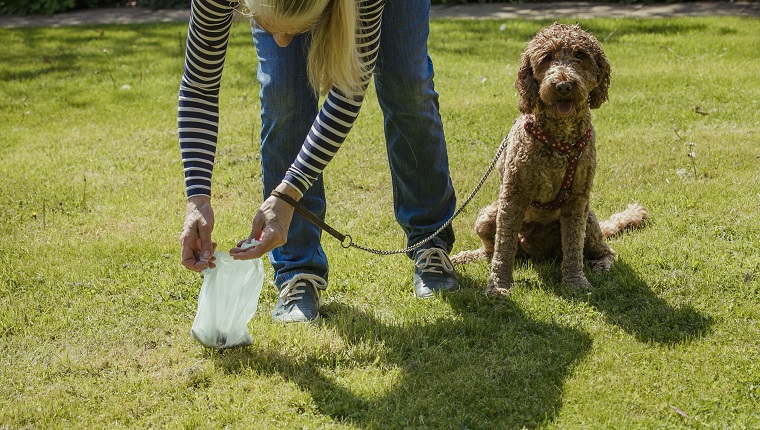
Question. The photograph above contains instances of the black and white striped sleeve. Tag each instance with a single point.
(198, 107)
(338, 112)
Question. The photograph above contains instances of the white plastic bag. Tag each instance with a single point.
(228, 299)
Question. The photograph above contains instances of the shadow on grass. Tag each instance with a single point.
(489, 367)
(625, 300)
(39, 52)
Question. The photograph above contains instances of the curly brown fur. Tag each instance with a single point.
(543, 241)
(564, 74)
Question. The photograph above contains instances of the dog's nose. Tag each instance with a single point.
(564, 87)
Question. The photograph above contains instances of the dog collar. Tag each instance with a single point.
(573, 153)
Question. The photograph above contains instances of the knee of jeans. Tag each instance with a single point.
(412, 93)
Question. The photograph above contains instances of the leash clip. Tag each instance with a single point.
(347, 241)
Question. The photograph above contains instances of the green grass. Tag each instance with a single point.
(95, 309)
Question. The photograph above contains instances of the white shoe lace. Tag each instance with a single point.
(434, 260)
(293, 288)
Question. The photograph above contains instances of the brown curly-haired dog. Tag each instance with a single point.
(547, 169)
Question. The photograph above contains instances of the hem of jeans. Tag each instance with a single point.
(436, 242)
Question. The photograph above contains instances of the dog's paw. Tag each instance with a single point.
(576, 282)
(496, 291)
(603, 264)
(495, 288)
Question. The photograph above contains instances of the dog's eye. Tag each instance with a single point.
(581, 55)
(547, 58)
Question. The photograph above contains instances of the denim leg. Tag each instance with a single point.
(423, 194)
(288, 108)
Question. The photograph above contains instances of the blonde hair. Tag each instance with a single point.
(333, 59)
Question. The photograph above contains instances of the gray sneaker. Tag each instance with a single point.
(433, 273)
(300, 299)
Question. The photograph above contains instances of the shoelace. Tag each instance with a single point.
(434, 260)
(293, 288)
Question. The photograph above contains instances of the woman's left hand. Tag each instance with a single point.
(270, 225)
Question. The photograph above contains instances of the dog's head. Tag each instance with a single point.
(564, 70)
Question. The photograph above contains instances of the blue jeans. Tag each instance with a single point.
(423, 194)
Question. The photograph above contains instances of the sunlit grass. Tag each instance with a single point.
(95, 310)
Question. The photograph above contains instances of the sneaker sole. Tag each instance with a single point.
(315, 320)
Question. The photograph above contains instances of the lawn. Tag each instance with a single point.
(95, 309)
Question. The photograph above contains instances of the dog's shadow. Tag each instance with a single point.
(490, 366)
(625, 300)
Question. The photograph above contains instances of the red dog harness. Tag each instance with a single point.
(573, 154)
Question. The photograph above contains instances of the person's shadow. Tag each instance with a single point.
(489, 366)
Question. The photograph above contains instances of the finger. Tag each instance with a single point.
(207, 247)
(187, 255)
(241, 250)
(189, 263)
(201, 261)
(212, 260)
(243, 246)
(257, 228)
(246, 252)
(198, 266)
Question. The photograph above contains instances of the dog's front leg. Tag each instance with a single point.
(573, 217)
(600, 255)
(509, 219)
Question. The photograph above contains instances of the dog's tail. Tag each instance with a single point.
(465, 257)
(633, 216)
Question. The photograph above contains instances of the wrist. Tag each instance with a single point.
(289, 190)
(198, 200)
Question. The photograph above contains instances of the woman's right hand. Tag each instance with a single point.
(195, 239)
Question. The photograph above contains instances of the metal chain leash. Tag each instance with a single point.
(350, 244)
(346, 241)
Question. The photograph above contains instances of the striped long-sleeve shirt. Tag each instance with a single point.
(198, 112)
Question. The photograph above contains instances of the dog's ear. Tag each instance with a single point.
(527, 87)
(599, 94)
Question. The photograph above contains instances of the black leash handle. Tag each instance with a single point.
(345, 240)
